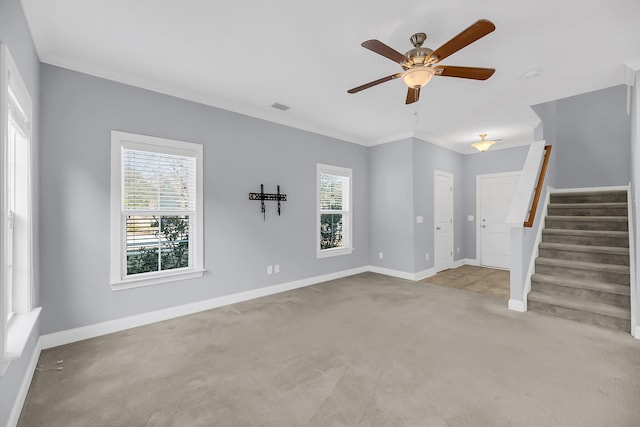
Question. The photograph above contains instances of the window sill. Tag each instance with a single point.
(334, 252)
(138, 282)
(18, 332)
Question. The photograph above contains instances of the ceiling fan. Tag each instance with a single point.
(419, 63)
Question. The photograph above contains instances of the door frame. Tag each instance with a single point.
(478, 231)
(435, 247)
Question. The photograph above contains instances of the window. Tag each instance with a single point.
(17, 313)
(334, 211)
(156, 210)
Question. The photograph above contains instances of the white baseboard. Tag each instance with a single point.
(390, 272)
(97, 329)
(636, 332)
(465, 261)
(18, 403)
(516, 305)
(458, 263)
(421, 275)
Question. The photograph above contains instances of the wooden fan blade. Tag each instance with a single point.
(413, 94)
(373, 83)
(382, 49)
(476, 31)
(475, 73)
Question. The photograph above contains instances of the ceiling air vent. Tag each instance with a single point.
(279, 106)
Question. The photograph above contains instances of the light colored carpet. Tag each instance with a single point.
(367, 350)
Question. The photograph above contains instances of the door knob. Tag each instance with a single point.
(437, 228)
(484, 226)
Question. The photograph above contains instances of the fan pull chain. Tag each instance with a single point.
(416, 113)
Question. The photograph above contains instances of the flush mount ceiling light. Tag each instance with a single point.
(482, 145)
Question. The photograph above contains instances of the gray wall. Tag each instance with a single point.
(401, 188)
(240, 153)
(492, 161)
(391, 205)
(591, 138)
(427, 158)
(15, 34)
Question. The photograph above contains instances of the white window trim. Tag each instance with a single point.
(348, 238)
(117, 281)
(14, 333)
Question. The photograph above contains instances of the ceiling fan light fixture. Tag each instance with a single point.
(482, 145)
(417, 76)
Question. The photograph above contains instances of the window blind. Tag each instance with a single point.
(154, 181)
(334, 193)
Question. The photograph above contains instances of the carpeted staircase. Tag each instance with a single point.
(582, 271)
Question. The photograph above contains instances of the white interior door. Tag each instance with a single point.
(495, 193)
(443, 220)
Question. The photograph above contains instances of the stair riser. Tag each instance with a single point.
(575, 273)
(618, 242)
(584, 294)
(563, 224)
(612, 197)
(560, 211)
(581, 316)
(602, 258)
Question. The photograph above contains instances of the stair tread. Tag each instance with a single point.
(592, 233)
(592, 285)
(587, 193)
(581, 305)
(589, 205)
(585, 248)
(594, 218)
(583, 265)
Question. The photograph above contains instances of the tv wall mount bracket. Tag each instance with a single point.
(262, 196)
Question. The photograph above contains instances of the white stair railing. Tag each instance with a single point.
(524, 231)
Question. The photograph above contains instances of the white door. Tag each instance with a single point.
(494, 195)
(443, 220)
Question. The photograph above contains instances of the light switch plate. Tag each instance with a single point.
(419, 219)
(470, 218)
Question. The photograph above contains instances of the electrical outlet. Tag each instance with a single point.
(427, 257)
(269, 269)
(419, 219)
(380, 255)
(276, 268)
(457, 250)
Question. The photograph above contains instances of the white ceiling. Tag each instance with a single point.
(246, 55)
